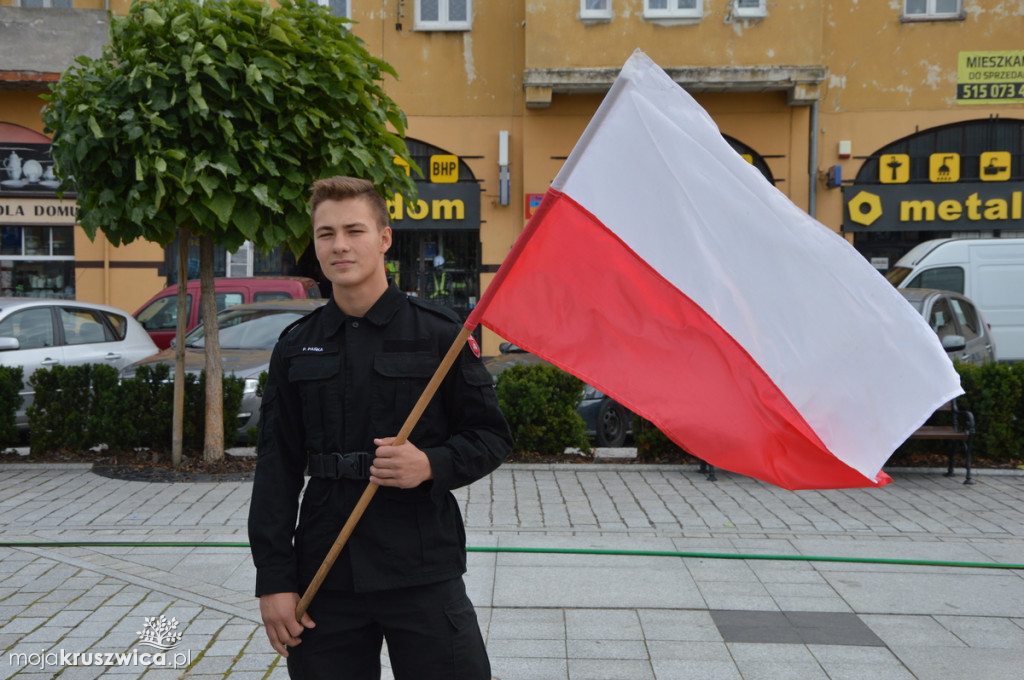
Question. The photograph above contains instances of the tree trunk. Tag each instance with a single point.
(178, 418)
(213, 444)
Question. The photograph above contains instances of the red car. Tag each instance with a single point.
(159, 316)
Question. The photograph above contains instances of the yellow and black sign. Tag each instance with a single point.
(444, 169)
(944, 167)
(995, 166)
(402, 163)
(438, 206)
(992, 77)
(934, 207)
(894, 168)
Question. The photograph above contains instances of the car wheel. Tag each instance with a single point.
(612, 424)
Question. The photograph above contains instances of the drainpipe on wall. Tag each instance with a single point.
(812, 162)
(106, 271)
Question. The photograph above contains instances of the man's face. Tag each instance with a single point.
(349, 242)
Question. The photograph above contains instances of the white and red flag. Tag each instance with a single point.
(664, 270)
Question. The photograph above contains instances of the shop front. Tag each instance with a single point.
(964, 179)
(37, 229)
(435, 252)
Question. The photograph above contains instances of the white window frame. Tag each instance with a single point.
(757, 10)
(674, 12)
(444, 23)
(347, 12)
(931, 13)
(591, 13)
(240, 262)
(47, 4)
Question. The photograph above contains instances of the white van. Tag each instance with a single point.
(990, 271)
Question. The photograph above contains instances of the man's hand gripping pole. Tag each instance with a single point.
(371, 488)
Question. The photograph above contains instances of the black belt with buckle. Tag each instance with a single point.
(340, 465)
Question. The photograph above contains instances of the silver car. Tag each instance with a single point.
(960, 325)
(39, 333)
(247, 335)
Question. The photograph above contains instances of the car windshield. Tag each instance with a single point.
(896, 275)
(247, 329)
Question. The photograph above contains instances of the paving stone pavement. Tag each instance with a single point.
(604, 572)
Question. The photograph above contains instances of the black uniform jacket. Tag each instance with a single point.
(336, 382)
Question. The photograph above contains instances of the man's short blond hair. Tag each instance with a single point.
(340, 188)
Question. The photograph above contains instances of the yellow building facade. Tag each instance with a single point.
(822, 96)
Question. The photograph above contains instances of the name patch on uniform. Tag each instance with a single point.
(312, 349)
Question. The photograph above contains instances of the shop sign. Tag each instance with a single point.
(941, 207)
(533, 202)
(444, 168)
(992, 77)
(945, 167)
(46, 211)
(439, 206)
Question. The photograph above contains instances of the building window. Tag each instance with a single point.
(673, 9)
(240, 262)
(339, 8)
(746, 9)
(932, 9)
(443, 15)
(595, 9)
(37, 261)
(61, 4)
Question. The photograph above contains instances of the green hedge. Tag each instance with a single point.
(10, 401)
(79, 407)
(651, 442)
(995, 394)
(539, 402)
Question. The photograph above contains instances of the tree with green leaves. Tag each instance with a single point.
(211, 120)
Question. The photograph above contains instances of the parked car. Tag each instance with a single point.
(159, 316)
(39, 333)
(607, 421)
(960, 325)
(989, 271)
(247, 335)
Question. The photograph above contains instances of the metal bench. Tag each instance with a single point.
(961, 429)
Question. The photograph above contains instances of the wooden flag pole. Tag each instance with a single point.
(371, 488)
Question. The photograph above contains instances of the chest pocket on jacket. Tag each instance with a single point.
(317, 381)
(399, 379)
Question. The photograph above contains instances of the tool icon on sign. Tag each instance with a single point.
(994, 166)
(944, 171)
(895, 165)
(894, 168)
(993, 169)
(944, 167)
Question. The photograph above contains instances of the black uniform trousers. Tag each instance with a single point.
(431, 630)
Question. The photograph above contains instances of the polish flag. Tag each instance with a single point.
(665, 271)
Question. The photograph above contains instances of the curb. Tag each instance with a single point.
(582, 467)
(46, 466)
(625, 467)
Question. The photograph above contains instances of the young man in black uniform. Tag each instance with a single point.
(341, 383)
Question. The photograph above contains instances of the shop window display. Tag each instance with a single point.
(37, 262)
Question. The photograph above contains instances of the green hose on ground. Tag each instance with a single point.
(554, 551)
